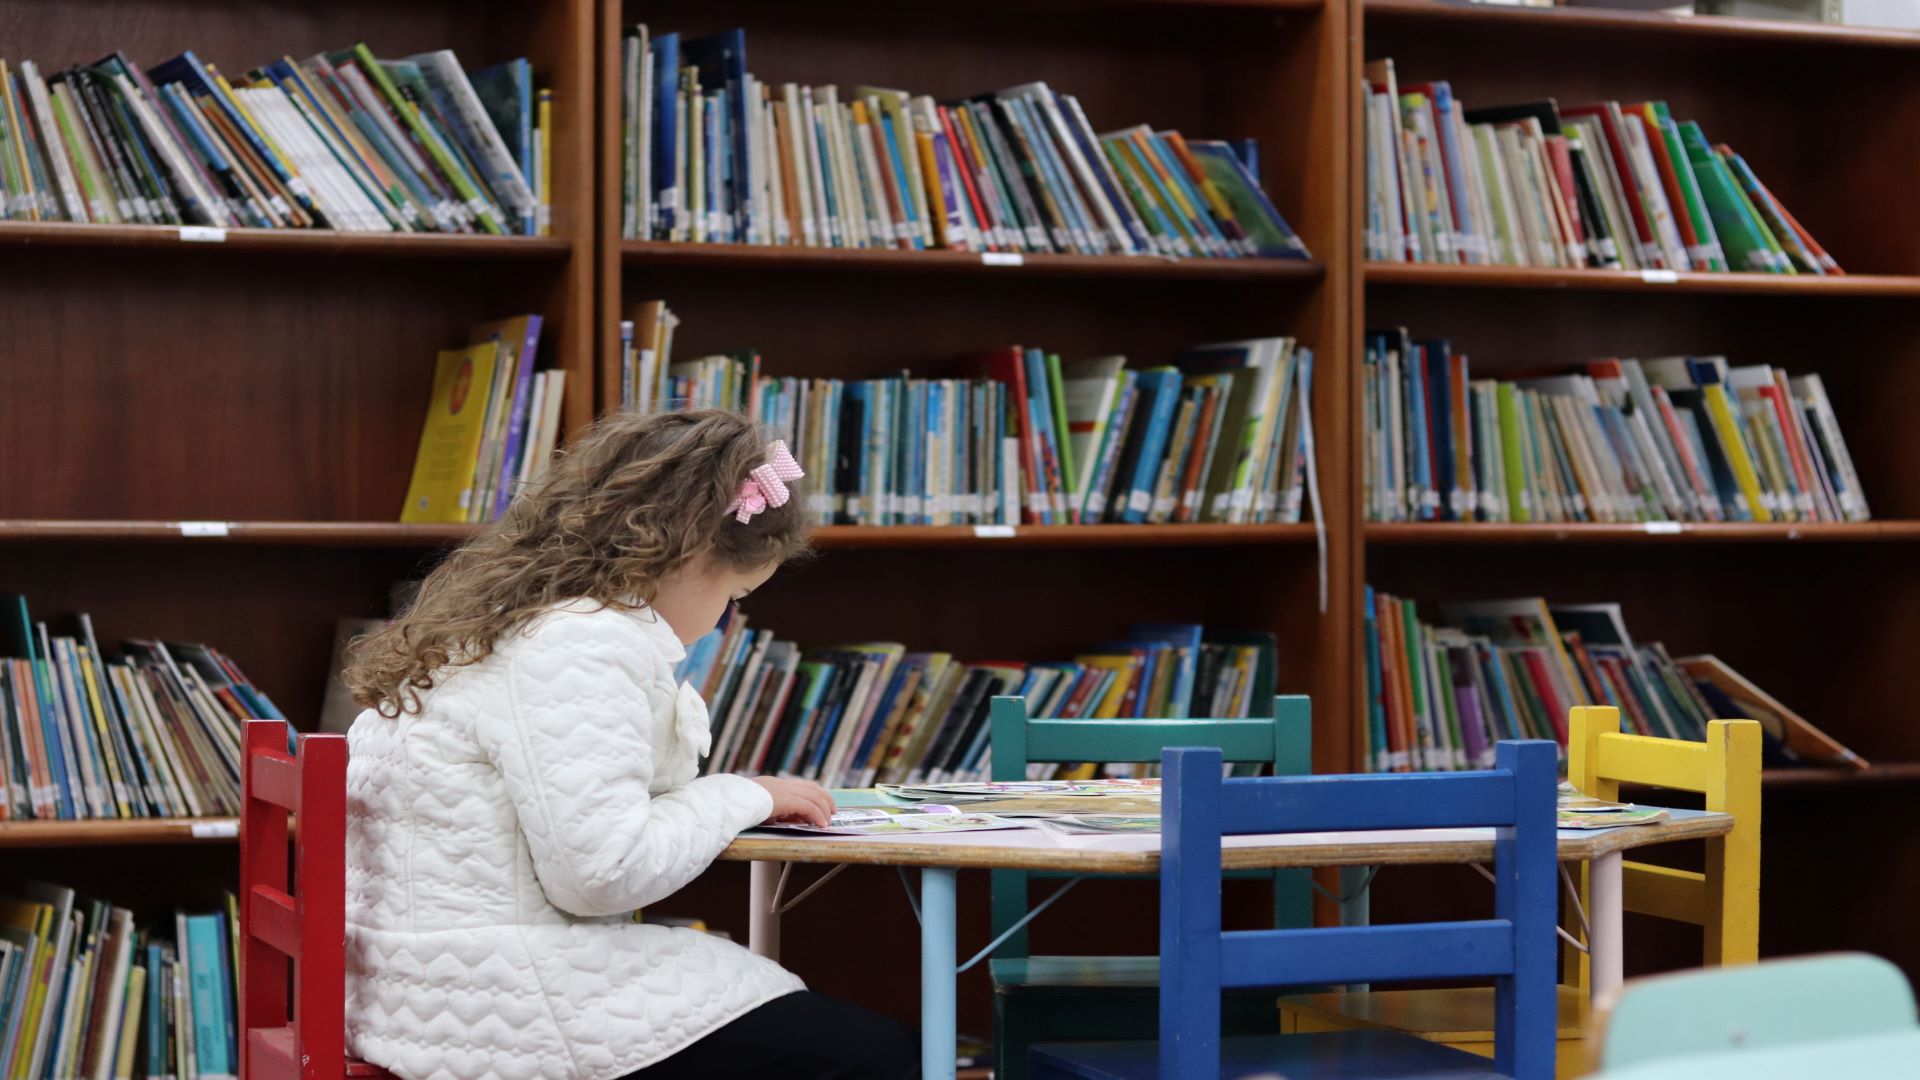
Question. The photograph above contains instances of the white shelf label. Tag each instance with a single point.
(993, 532)
(215, 830)
(203, 234)
(1664, 528)
(203, 528)
(1002, 258)
(1659, 277)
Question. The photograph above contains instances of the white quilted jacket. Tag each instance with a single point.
(498, 842)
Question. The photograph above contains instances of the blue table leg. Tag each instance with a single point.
(939, 907)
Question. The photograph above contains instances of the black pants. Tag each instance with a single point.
(802, 1036)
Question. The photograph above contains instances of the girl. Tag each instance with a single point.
(524, 778)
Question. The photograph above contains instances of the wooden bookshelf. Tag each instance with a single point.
(74, 834)
(1820, 615)
(1427, 275)
(1436, 534)
(788, 260)
(42, 235)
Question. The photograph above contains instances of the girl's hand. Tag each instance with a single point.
(797, 800)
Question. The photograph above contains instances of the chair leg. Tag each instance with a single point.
(1012, 1039)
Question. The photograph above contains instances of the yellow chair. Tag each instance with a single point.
(1725, 899)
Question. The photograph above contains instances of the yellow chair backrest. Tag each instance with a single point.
(1726, 770)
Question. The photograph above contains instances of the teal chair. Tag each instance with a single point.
(1053, 998)
(1843, 1015)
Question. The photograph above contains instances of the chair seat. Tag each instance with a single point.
(1456, 1015)
(1079, 974)
(1354, 1055)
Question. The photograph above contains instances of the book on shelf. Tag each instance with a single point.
(1610, 185)
(152, 732)
(341, 140)
(1220, 435)
(711, 154)
(1682, 439)
(493, 419)
(92, 996)
(1440, 694)
(856, 715)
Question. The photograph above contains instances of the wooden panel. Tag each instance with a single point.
(1571, 25)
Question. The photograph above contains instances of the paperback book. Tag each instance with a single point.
(1608, 185)
(712, 154)
(1221, 434)
(340, 140)
(1677, 438)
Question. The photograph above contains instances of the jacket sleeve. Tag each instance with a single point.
(575, 749)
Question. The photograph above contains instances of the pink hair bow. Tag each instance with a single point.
(766, 485)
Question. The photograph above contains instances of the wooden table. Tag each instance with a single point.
(939, 858)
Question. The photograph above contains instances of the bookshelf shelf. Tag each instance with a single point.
(291, 533)
(666, 255)
(69, 235)
(1799, 779)
(1573, 21)
(987, 537)
(1414, 534)
(66, 834)
(1653, 282)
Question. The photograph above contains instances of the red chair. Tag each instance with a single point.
(293, 929)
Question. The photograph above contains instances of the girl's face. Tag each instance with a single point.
(696, 597)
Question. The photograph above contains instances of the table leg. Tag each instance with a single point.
(938, 932)
(763, 919)
(1604, 877)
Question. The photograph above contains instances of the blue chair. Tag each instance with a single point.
(1198, 960)
(1050, 998)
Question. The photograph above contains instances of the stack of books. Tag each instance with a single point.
(1617, 440)
(1607, 185)
(859, 714)
(491, 426)
(714, 155)
(1224, 434)
(341, 140)
(88, 994)
(1439, 696)
(154, 732)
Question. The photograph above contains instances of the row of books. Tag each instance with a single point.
(153, 732)
(712, 154)
(1616, 440)
(492, 423)
(1607, 185)
(1223, 434)
(1440, 695)
(87, 995)
(857, 715)
(341, 140)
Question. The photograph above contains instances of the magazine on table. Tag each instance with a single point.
(1025, 789)
(926, 818)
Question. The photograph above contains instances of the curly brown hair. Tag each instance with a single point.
(633, 500)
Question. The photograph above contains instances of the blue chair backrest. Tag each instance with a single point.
(1283, 741)
(1515, 948)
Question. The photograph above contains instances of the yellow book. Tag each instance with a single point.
(1720, 412)
(130, 1022)
(36, 919)
(442, 485)
(1125, 668)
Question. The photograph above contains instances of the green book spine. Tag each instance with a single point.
(1416, 649)
(425, 137)
(1069, 476)
(1708, 249)
(1781, 264)
(1519, 502)
(1796, 252)
(1745, 249)
(1456, 757)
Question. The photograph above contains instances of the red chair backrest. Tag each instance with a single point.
(293, 925)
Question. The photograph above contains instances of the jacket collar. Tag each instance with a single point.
(656, 628)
